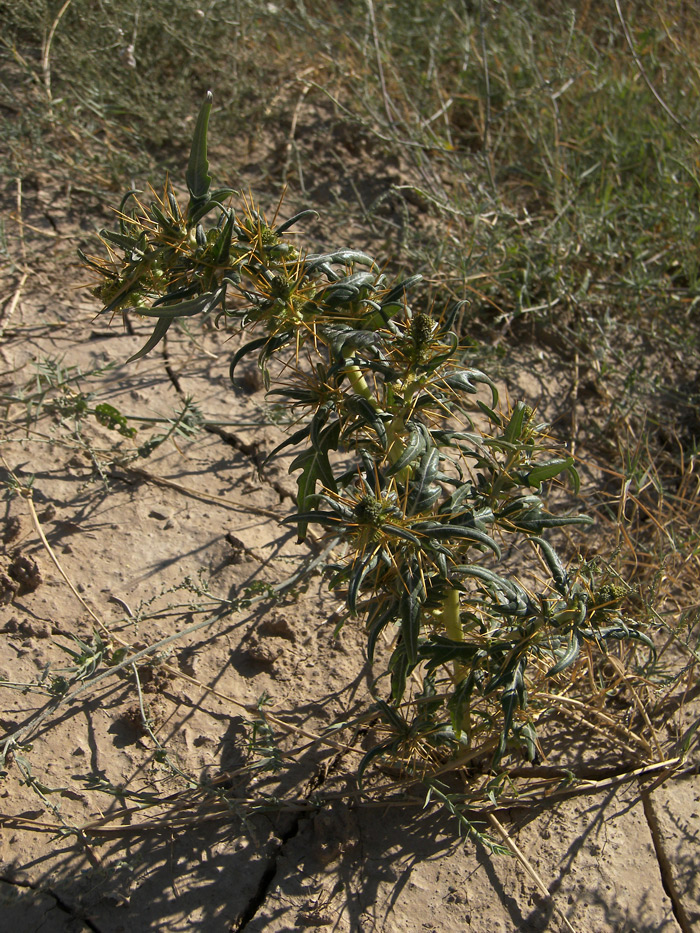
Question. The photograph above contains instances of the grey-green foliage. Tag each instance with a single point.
(441, 480)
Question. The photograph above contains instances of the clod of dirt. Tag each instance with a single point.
(49, 513)
(26, 573)
(13, 527)
(132, 721)
(35, 628)
(154, 679)
(263, 651)
(249, 380)
(8, 589)
(277, 625)
(332, 829)
(186, 661)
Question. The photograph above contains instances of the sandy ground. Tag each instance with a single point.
(171, 830)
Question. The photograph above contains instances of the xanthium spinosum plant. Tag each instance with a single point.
(422, 500)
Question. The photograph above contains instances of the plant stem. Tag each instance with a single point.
(396, 427)
(450, 615)
(359, 384)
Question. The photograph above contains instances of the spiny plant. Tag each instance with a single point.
(419, 481)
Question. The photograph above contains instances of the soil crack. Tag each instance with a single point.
(665, 868)
(73, 912)
(265, 885)
(233, 440)
(251, 451)
(266, 880)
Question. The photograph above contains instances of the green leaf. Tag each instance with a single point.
(112, 418)
(398, 532)
(575, 479)
(415, 445)
(463, 381)
(373, 753)
(204, 303)
(197, 175)
(165, 222)
(222, 248)
(159, 331)
(221, 194)
(399, 667)
(107, 273)
(423, 491)
(410, 614)
(435, 362)
(490, 413)
(302, 215)
(519, 418)
(290, 441)
(451, 505)
(318, 424)
(526, 504)
(360, 570)
(443, 650)
(323, 261)
(368, 416)
(437, 530)
(569, 655)
(398, 292)
(549, 470)
(348, 289)
(328, 519)
(556, 568)
(528, 737)
(513, 696)
(271, 345)
(550, 521)
(212, 201)
(315, 467)
(518, 600)
(393, 718)
(247, 348)
(377, 622)
(305, 396)
(131, 193)
(125, 242)
(619, 632)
